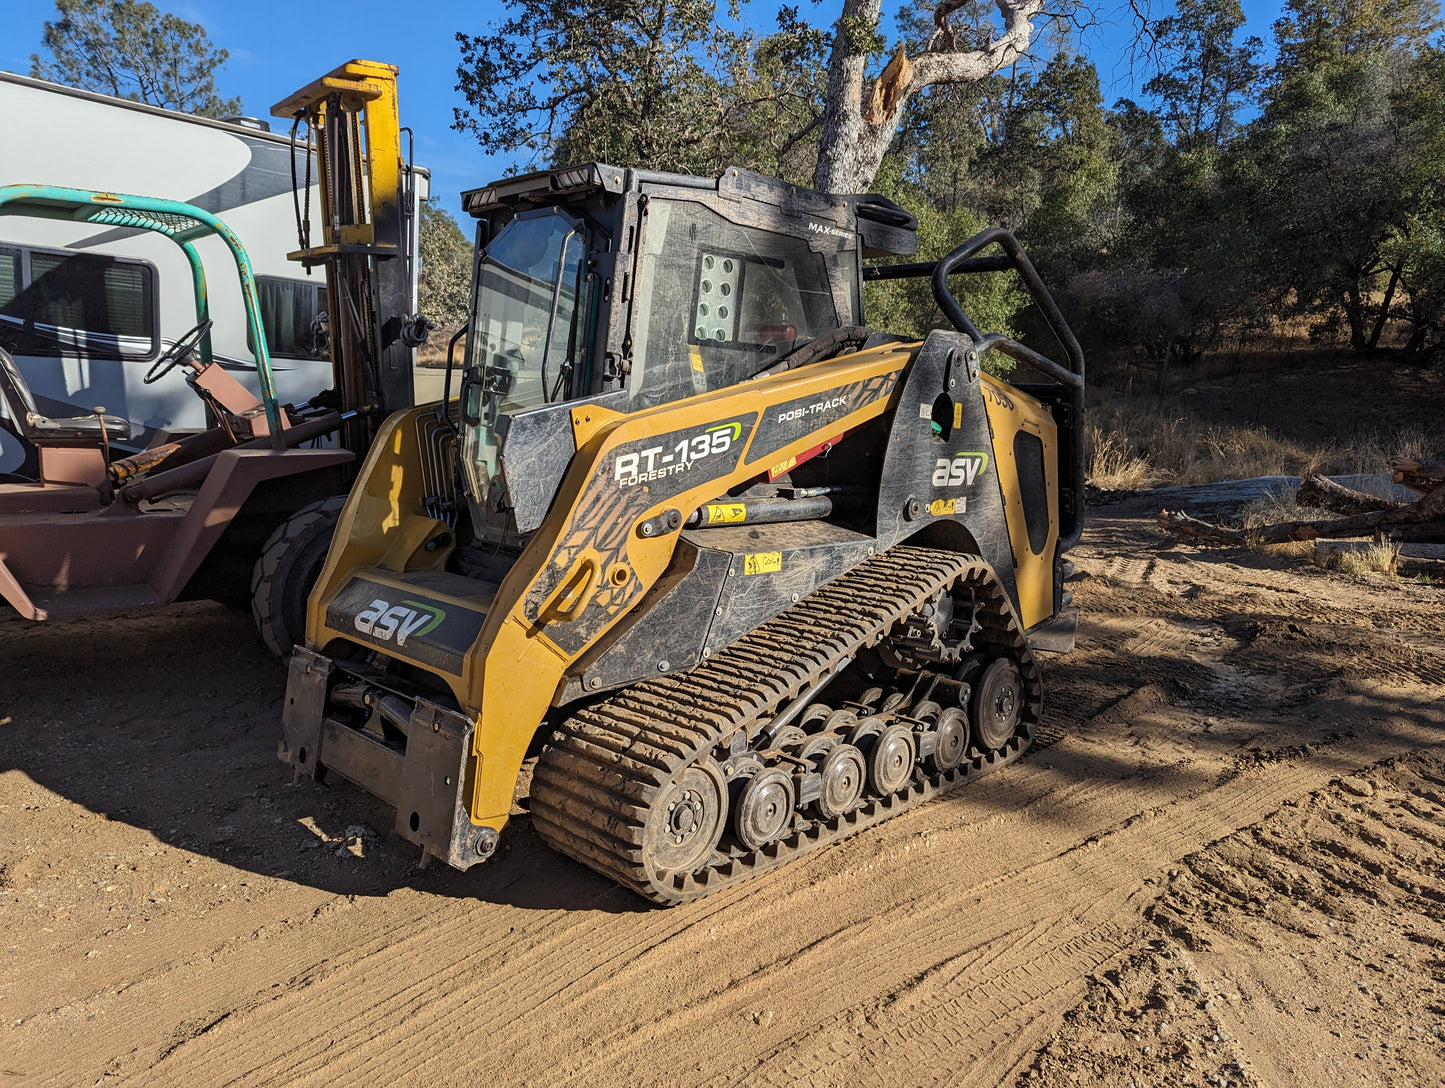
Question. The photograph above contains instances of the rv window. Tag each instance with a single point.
(9, 276)
(289, 309)
(103, 307)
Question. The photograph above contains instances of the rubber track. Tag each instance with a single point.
(596, 779)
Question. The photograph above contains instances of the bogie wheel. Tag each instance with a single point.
(890, 763)
(864, 729)
(287, 569)
(997, 705)
(844, 776)
(687, 818)
(952, 730)
(764, 808)
(787, 736)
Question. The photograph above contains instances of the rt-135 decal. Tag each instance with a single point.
(655, 462)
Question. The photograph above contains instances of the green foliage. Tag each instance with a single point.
(630, 82)
(1209, 77)
(862, 33)
(775, 99)
(992, 300)
(1312, 33)
(131, 50)
(444, 283)
(1162, 225)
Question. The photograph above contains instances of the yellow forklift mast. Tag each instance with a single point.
(743, 574)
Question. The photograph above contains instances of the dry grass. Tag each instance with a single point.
(1378, 558)
(434, 352)
(1274, 507)
(1134, 443)
(1112, 464)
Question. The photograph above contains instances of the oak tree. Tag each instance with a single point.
(132, 50)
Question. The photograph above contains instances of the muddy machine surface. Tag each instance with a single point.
(744, 575)
(85, 527)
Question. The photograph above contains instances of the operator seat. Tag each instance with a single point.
(72, 452)
(42, 430)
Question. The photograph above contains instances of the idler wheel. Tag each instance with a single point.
(686, 820)
(952, 730)
(890, 763)
(844, 775)
(764, 808)
(970, 668)
(997, 705)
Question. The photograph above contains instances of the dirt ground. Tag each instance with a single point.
(1222, 864)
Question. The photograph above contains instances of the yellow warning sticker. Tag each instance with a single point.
(958, 414)
(782, 467)
(762, 562)
(696, 358)
(940, 507)
(726, 513)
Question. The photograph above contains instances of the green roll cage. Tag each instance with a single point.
(183, 224)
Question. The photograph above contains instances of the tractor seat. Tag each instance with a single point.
(39, 428)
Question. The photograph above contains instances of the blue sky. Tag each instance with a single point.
(277, 47)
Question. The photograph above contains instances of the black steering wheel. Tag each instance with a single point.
(177, 352)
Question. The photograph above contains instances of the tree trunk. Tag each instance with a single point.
(1398, 525)
(853, 136)
(1355, 316)
(846, 158)
(1385, 306)
(1323, 493)
(1418, 474)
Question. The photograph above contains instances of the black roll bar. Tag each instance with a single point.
(963, 260)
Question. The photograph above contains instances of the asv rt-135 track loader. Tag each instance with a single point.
(745, 575)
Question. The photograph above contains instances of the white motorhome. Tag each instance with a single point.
(85, 311)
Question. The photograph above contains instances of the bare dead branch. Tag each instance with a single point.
(1324, 493)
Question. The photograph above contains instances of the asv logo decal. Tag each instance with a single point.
(961, 471)
(381, 620)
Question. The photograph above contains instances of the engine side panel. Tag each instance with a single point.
(1026, 454)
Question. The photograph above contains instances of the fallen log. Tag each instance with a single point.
(1323, 493)
(1420, 532)
(1417, 473)
(1411, 567)
(1367, 524)
(1181, 524)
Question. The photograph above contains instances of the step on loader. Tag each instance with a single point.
(739, 573)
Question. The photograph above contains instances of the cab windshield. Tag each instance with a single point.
(524, 339)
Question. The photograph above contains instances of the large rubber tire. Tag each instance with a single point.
(289, 565)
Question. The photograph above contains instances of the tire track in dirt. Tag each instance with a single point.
(1305, 949)
(1101, 883)
(1072, 780)
(1053, 922)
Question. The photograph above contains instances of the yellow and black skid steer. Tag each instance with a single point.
(744, 575)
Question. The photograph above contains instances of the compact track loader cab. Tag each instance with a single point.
(744, 574)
